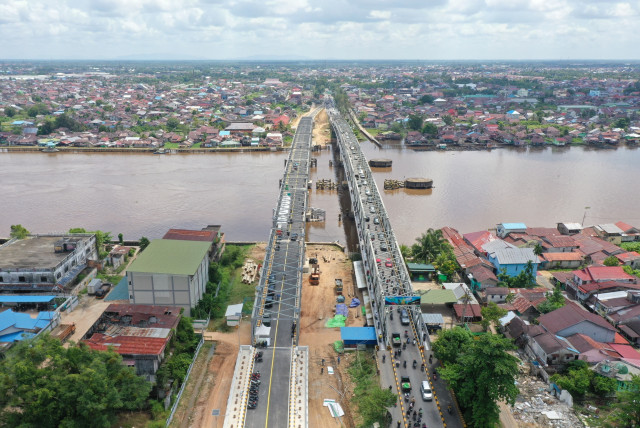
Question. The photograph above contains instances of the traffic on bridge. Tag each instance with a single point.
(404, 357)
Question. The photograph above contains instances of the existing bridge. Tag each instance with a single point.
(389, 288)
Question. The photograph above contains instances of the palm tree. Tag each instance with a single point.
(429, 245)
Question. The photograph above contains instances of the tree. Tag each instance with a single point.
(120, 238)
(46, 385)
(430, 129)
(426, 99)
(46, 128)
(18, 231)
(415, 122)
(429, 245)
(144, 243)
(492, 313)
(603, 386)
(172, 123)
(576, 380)
(611, 261)
(484, 374)
(622, 122)
(10, 111)
(538, 250)
(450, 344)
(554, 301)
(447, 119)
(446, 263)
(627, 413)
(406, 252)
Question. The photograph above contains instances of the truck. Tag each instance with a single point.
(405, 383)
(314, 278)
(396, 339)
(338, 286)
(94, 286)
(102, 292)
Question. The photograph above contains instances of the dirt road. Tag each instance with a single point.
(321, 133)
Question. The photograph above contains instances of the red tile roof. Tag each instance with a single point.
(625, 351)
(603, 273)
(473, 310)
(561, 257)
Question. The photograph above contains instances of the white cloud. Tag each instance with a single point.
(358, 29)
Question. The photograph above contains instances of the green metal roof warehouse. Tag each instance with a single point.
(171, 257)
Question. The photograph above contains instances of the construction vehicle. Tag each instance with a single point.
(314, 278)
(338, 286)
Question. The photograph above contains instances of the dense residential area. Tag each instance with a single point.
(457, 106)
(144, 110)
(569, 298)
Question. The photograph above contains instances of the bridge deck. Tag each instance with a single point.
(387, 277)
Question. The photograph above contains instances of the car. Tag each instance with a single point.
(381, 236)
(425, 391)
(383, 247)
(372, 209)
(376, 220)
(294, 236)
(366, 218)
(266, 320)
(404, 317)
(388, 263)
(378, 261)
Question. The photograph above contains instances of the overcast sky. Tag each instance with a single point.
(320, 29)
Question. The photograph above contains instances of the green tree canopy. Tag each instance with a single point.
(415, 122)
(144, 243)
(611, 261)
(554, 301)
(492, 313)
(430, 129)
(43, 384)
(447, 119)
(483, 375)
(172, 123)
(627, 413)
(450, 344)
(429, 245)
(426, 99)
(10, 111)
(18, 231)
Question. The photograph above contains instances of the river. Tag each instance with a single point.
(145, 194)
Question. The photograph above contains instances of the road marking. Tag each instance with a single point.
(275, 341)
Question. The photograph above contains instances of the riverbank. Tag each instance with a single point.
(33, 149)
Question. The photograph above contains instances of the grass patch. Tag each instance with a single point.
(196, 146)
(219, 324)
(370, 399)
(171, 145)
(113, 279)
(374, 131)
(132, 420)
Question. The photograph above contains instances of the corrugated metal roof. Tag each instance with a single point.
(515, 256)
(26, 299)
(171, 257)
(438, 297)
(432, 318)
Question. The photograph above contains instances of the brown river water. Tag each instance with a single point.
(145, 194)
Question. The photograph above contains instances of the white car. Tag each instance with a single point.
(425, 391)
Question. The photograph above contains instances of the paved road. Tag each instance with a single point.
(278, 303)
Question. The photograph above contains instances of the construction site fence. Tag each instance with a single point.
(184, 383)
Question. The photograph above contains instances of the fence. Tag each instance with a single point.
(184, 383)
